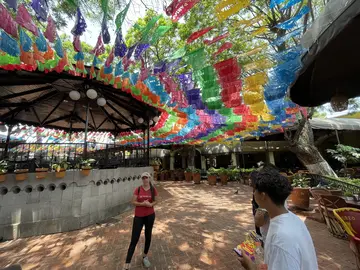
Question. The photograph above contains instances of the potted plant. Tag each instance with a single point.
(155, 163)
(41, 173)
(3, 170)
(212, 176)
(163, 175)
(188, 175)
(60, 168)
(349, 196)
(300, 195)
(86, 166)
(224, 176)
(21, 174)
(196, 174)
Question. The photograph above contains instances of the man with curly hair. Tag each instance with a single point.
(288, 244)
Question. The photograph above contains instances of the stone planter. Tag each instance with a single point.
(21, 175)
(60, 174)
(2, 177)
(212, 180)
(197, 178)
(224, 179)
(300, 198)
(41, 173)
(188, 176)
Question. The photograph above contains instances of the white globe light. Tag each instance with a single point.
(3, 128)
(156, 119)
(91, 93)
(101, 101)
(151, 122)
(141, 120)
(74, 95)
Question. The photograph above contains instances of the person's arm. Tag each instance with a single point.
(261, 217)
(280, 259)
(135, 202)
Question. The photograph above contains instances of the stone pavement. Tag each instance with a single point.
(196, 227)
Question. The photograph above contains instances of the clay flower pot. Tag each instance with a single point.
(224, 179)
(188, 176)
(60, 174)
(197, 178)
(300, 197)
(212, 180)
(2, 177)
(85, 171)
(156, 167)
(41, 173)
(21, 174)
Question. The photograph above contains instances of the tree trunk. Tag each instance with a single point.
(303, 145)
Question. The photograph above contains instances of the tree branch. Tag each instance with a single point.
(322, 139)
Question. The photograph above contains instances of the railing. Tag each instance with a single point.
(36, 155)
(315, 180)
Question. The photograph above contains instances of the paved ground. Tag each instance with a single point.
(196, 228)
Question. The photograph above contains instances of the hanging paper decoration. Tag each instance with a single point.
(41, 42)
(77, 44)
(259, 31)
(11, 4)
(99, 48)
(105, 31)
(41, 9)
(159, 32)
(178, 8)
(178, 54)
(216, 39)
(120, 46)
(7, 22)
(194, 36)
(144, 72)
(121, 17)
(281, 40)
(186, 81)
(80, 24)
(227, 8)
(273, 3)
(145, 32)
(254, 51)
(50, 32)
(291, 23)
(159, 67)
(59, 48)
(110, 58)
(49, 53)
(290, 3)
(24, 19)
(25, 41)
(9, 45)
(224, 47)
(79, 56)
(140, 48)
(130, 51)
(250, 22)
(197, 59)
(119, 69)
(259, 65)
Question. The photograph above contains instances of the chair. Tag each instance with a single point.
(350, 219)
(327, 204)
(316, 192)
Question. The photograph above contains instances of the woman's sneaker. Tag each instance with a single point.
(146, 262)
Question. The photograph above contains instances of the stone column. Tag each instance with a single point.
(183, 162)
(203, 163)
(270, 158)
(191, 158)
(234, 160)
(172, 161)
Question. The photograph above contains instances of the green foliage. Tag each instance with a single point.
(85, 163)
(300, 181)
(196, 170)
(155, 162)
(212, 171)
(3, 166)
(188, 170)
(345, 154)
(62, 165)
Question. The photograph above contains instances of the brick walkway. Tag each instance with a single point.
(196, 228)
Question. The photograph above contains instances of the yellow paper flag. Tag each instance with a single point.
(260, 64)
(256, 79)
(226, 8)
(259, 31)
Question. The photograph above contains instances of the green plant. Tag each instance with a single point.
(348, 194)
(87, 163)
(62, 165)
(212, 172)
(243, 170)
(196, 170)
(300, 181)
(223, 171)
(345, 154)
(188, 170)
(155, 162)
(3, 166)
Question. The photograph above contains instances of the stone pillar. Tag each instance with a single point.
(191, 158)
(234, 160)
(203, 163)
(270, 158)
(172, 161)
(183, 162)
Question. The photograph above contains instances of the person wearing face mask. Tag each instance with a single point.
(144, 199)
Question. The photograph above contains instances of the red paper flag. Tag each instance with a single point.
(24, 19)
(198, 34)
(7, 22)
(216, 39)
(179, 8)
(224, 47)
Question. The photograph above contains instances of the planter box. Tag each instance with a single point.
(224, 179)
(21, 175)
(85, 172)
(60, 174)
(300, 198)
(212, 180)
(188, 176)
(41, 173)
(2, 177)
(197, 178)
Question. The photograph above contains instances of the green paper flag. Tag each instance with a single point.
(159, 32)
(121, 16)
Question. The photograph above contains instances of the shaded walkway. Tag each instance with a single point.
(196, 228)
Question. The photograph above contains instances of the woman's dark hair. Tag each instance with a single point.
(270, 181)
(152, 192)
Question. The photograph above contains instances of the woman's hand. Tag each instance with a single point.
(246, 261)
(147, 203)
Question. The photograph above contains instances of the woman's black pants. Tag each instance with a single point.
(138, 224)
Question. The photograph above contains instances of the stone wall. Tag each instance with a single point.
(51, 205)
